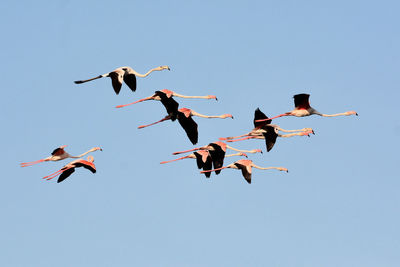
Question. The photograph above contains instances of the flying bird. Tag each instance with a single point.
(217, 151)
(68, 169)
(123, 74)
(59, 154)
(245, 166)
(158, 95)
(185, 119)
(203, 159)
(263, 129)
(303, 108)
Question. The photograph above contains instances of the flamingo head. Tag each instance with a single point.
(97, 148)
(257, 151)
(282, 169)
(163, 68)
(62, 147)
(212, 97)
(348, 113)
(227, 116)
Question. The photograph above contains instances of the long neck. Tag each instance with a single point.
(138, 101)
(81, 155)
(269, 168)
(144, 75)
(292, 131)
(246, 151)
(236, 154)
(194, 113)
(185, 157)
(348, 113)
(201, 97)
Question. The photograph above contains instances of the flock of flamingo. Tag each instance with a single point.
(209, 158)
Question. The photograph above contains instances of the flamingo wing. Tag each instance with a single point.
(169, 103)
(190, 127)
(217, 155)
(259, 115)
(116, 80)
(270, 137)
(65, 174)
(57, 152)
(199, 160)
(208, 166)
(87, 165)
(301, 101)
(245, 171)
(130, 80)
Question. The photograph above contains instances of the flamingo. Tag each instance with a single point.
(160, 96)
(184, 116)
(217, 151)
(263, 129)
(203, 159)
(68, 169)
(126, 74)
(245, 165)
(59, 154)
(303, 108)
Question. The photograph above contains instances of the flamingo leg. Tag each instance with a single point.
(185, 157)
(54, 174)
(143, 126)
(141, 100)
(281, 115)
(214, 169)
(241, 139)
(233, 137)
(26, 164)
(190, 150)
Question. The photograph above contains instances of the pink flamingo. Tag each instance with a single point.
(68, 169)
(160, 96)
(184, 116)
(217, 151)
(263, 129)
(126, 74)
(203, 159)
(245, 165)
(59, 154)
(303, 108)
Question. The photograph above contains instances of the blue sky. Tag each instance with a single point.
(337, 206)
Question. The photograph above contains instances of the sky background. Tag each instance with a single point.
(337, 206)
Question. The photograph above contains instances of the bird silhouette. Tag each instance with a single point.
(123, 74)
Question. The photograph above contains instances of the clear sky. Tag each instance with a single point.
(337, 206)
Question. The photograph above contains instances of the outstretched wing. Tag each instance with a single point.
(199, 160)
(170, 104)
(217, 155)
(208, 166)
(245, 172)
(57, 152)
(259, 115)
(130, 80)
(301, 101)
(87, 165)
(116, 79)
(270, 137)
(190, 127)
(65, 174)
